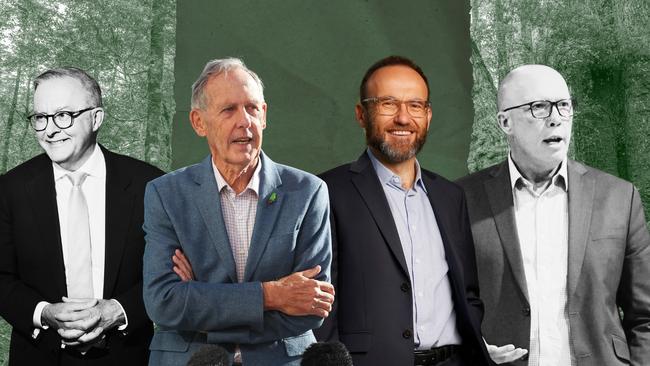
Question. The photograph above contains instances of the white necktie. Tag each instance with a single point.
(78, 265)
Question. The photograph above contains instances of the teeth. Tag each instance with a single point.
(401, 133)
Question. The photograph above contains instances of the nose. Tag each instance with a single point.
(554, 119)
(402, 116)
(51, 128)
(244, 119)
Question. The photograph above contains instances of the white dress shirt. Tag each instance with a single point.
(94, 190)
(542, 220)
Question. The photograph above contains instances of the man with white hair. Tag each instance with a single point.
(256, 233)
(560, 246)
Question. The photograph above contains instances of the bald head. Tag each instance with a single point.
(528, 83)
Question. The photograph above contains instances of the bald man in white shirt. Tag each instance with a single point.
(560, 246)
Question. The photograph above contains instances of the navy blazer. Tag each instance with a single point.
(373, 313)
(291, 233)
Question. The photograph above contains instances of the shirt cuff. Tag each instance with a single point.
(126, 319)
(36, 318)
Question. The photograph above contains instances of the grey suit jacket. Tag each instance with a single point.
(291, 233)
(608, 265)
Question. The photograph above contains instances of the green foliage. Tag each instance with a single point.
(601, 47)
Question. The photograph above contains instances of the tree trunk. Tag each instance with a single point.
(154, 122)
(10, 123)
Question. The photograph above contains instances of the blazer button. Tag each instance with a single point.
(526, 311)
(405, 287)
(407, 334)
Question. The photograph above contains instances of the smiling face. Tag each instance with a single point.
(538, 146)
(232, 120)
(69, 147)
(398, 138)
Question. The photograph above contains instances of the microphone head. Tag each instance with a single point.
(210, 355)
(326, 354)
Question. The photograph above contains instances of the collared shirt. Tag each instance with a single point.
(94, 190)
(542, 226)
(434, 317)
(239, 212)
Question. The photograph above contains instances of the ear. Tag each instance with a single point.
(360, 115)
(505, 123)
(429, 115)
(98, 119)
(198, 123)
(265, 108)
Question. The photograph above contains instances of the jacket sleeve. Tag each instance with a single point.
(634, 290)
(228, 312)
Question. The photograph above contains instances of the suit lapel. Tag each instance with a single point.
(42, 198)
(119, 211)
(367, 184)
(581, 199)
(206, 197)
(268, 210)
(499, 193)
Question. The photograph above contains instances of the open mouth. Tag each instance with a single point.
(56, 142)
(400, 132)
(242, 140)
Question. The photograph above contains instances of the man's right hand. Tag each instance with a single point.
(299, 294)
(503, 354)
(72, 318)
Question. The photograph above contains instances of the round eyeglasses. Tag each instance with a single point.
(62, 119)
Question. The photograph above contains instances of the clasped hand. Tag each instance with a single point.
(82, 321)
(296, 294)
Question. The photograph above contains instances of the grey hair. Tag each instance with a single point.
(88, 82)
(214, 68)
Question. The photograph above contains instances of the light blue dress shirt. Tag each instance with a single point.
(434, 318)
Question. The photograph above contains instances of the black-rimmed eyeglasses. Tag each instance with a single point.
(62, 119)
(389, 106)
(544, 108)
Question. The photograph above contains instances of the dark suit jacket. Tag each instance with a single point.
(31, 264)
(374, 312)
(608, 265)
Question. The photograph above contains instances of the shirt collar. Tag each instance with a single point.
(560, 178)
(95, 166)
(253, 184)
(386, 176)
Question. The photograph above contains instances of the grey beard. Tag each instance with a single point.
(396, 156)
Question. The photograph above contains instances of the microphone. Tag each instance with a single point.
(326, 354)
(210, 355)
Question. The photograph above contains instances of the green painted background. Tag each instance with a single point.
(312, 55)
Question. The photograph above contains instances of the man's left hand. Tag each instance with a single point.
(110, 315)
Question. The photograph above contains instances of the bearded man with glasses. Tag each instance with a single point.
(71, 237)
(404, 270)
(560, 246)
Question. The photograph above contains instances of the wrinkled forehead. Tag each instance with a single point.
(533, 84)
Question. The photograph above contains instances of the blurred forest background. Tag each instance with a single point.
(128, 46)
(602, 47)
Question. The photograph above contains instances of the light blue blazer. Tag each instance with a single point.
(291, 233)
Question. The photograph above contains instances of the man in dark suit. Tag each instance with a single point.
(71, 237)
(404, 267)
(560, 246)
